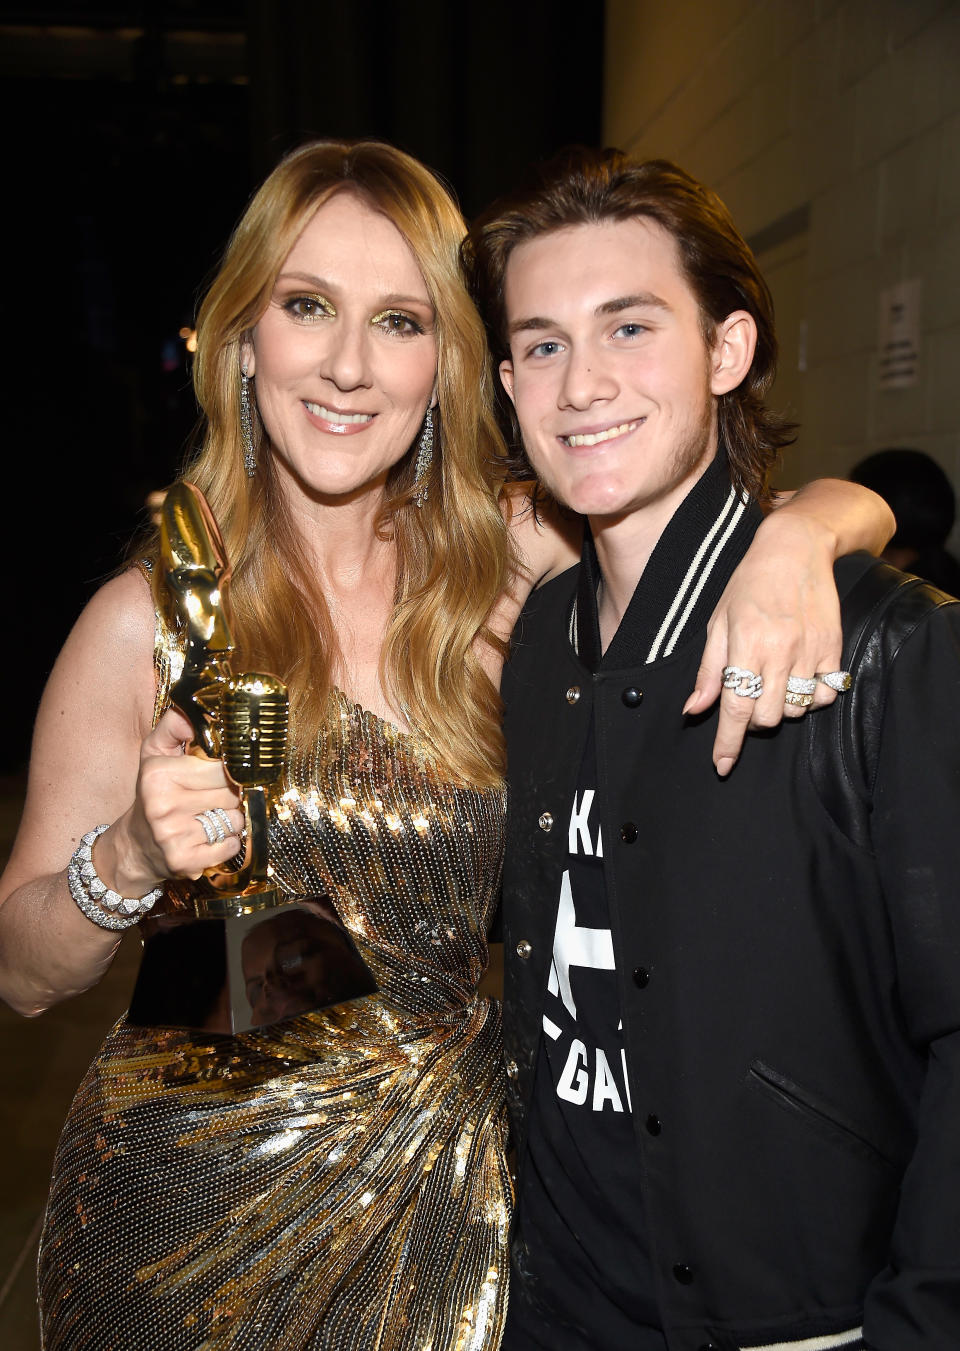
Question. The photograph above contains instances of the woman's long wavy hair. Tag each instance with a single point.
(452, 552)
(583, 186)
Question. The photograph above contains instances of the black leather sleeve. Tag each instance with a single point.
(915, 831)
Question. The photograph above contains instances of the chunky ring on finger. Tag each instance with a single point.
(801, 685)
(224, 819)
(212, 828)
(836, 680)
(211, 815)
(743, 681)
(801, 700)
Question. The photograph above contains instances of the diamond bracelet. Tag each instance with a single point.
(97, 901)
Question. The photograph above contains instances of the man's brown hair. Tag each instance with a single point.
(586, 187)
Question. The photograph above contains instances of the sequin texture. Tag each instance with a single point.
(337, 1181)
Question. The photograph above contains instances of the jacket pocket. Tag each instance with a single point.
(815, 1113)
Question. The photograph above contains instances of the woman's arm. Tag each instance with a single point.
(545, 538)
(544, 541)
(96, 761)
(780, 614)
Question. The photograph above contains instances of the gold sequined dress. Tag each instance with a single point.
(338, 1180)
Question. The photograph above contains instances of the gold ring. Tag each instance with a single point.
(801, 700)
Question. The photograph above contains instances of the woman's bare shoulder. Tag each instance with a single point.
(124, 603)
(96, 709)
(109, 651)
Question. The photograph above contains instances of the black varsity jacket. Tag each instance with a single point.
(790, 998)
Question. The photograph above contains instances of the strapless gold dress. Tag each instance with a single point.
(335, 1181)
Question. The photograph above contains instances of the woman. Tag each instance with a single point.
(337, 1180)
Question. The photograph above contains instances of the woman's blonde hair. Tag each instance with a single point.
(452, 551)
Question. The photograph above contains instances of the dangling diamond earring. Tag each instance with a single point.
(424, 459)
(246, 423)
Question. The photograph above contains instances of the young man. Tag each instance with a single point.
(732, 1004)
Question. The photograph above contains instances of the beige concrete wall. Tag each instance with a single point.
(832, 130)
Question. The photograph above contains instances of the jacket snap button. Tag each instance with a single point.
(631, 696)
(573, 694)
(546, 821)
(653, 1125)
(513, 1069)
(682, 1274)
(708, 1346)
(628, 832)
(524, 948)
(641, 977)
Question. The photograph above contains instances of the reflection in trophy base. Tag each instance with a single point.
(247, 967)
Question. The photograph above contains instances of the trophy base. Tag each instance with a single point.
(249, 964)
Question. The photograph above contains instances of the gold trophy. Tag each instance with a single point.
(233, 952)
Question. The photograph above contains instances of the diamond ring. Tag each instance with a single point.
(743, 682)
(801, 684)
(212, 825)
(836, 680)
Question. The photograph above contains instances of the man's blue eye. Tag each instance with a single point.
(631, 330)
(545, 349)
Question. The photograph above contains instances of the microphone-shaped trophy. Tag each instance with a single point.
(232, 951)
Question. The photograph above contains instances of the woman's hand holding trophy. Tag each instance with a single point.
(196, 971)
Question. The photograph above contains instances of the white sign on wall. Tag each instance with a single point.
(899, 343)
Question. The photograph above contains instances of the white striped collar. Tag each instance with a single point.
(682, 581)
(831, 1341)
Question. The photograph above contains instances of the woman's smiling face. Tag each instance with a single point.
(344, 358)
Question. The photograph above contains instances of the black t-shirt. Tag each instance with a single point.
(582, 1277)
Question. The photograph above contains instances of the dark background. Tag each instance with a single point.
(133, 136)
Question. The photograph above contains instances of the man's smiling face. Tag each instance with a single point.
(609, 371)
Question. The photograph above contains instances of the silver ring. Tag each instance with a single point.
(224, 819)
(836, 680)
(214, 820)
(208, 829)
(801, 684)
(801, 700)
(212, 828)
(744, 682)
